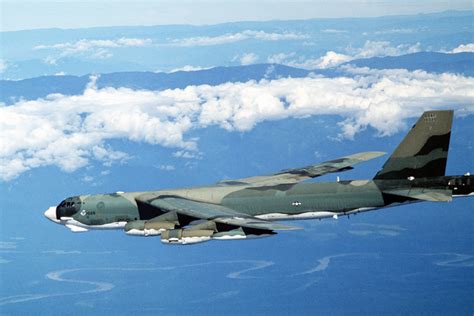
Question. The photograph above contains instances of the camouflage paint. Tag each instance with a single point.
(235, 209)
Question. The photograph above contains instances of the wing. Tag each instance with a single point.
(300, 174)
(216, 213)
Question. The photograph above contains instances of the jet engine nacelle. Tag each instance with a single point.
(239, 233)
(201, 233)
(186, 236)
(147, 228)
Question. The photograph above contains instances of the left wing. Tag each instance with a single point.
(300, 174)
(215, 213)
(215, 222)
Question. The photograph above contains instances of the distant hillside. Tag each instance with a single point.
(69, 85)
(78, 52)
(40, 87)
(462, 63)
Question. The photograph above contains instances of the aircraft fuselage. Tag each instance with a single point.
(279, 202)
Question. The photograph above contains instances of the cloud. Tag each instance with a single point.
(95, 49)
(364, 229)
(62, 252)
(455, 260)
(258, 265)
(71, 131)
(236, 37)
(212, 298)
(329, 60)
(187, 154)
(167, 167)
(3, 65)
(188, 68)
(4, 260)
(333, 59)
(382, 48)
(323, 264)
(17, 238)
(7, 245)
(91, 287)
(396, 31)
(88, 179)
(280, 58)
(463, 48)
(246, 59)
(86, 45)
(333, 31)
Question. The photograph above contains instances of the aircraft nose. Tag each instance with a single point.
(51, 214)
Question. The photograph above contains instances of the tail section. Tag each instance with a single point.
(423, 152)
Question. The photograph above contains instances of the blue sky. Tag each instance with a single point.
(31, 14)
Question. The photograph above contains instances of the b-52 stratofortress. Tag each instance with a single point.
(248, 207)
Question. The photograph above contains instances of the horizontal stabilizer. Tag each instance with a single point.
(433, 195)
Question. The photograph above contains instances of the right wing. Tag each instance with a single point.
(296, 175)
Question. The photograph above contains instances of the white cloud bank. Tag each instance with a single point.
(3, 66)
(398, 31)
(187, 68)
(463, 48)
(333, 59)
(246, 59)
(236, 37)
(333, 31)
(98, 48)
(70, 131)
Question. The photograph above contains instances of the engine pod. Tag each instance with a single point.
(242, 233)
(147, 228)
(230, 234)
(186, 236)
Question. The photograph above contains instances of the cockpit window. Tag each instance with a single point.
(68, 207)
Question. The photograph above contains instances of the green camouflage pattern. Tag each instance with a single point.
(424, 151)
(247, 207)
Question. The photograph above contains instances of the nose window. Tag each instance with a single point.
(67, 208)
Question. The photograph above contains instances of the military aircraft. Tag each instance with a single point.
(247, 208)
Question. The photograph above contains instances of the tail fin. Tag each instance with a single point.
(424, 151)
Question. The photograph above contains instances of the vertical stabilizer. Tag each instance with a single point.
(424, 151)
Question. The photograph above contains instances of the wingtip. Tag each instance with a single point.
(276, 226)
(376, 154)
(288, 227)
(367, 155)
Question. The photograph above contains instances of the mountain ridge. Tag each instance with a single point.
(39, 87)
